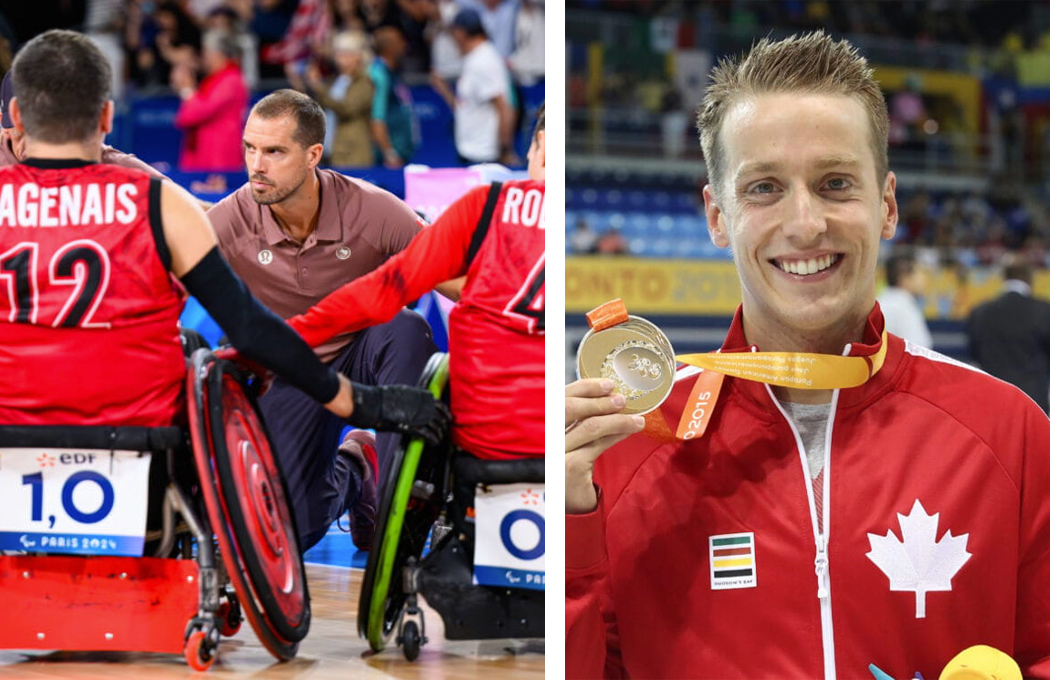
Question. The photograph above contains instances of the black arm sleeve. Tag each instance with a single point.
(255, 331)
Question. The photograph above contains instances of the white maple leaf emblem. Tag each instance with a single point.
(920, 563)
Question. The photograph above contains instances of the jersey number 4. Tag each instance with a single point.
(528, 302)
(82, 264)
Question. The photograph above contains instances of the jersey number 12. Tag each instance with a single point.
(82, 264)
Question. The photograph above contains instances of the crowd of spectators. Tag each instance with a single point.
(357, 57)
(1004, 45)
(978, 227)
(982, 22)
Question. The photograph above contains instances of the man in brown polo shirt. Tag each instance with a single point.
(295, 233)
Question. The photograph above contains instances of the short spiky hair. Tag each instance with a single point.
(812, 63)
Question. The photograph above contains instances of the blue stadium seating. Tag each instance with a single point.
(662, 233)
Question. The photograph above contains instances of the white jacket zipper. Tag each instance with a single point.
(822, 568)
(821, 565)
(827, 628)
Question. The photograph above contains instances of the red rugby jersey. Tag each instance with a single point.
(495, 332)
(88, 309)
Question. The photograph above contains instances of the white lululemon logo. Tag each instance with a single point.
(265, 257)
(343, 253)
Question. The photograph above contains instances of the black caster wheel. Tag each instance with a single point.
(411, 640)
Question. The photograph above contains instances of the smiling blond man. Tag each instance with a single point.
(737, 553)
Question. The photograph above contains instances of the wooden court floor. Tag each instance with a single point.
(331, 650)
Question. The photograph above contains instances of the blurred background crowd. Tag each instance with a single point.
(967, 85)
(398, 78)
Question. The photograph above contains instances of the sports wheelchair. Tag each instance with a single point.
(426, 502)
(233, 553)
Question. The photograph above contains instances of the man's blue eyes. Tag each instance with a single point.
(837, 184)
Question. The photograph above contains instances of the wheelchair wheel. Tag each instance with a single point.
(230, 617)
(411, 640)
(403, 524)
(200, 651)
(245, 495)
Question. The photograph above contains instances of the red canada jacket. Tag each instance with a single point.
(937, 503)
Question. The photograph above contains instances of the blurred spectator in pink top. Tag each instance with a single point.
(908, 114)
(211, 117)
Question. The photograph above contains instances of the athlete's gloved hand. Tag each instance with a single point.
(400, 408)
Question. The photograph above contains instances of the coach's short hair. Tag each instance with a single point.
(812, 63)
(308, 114)
(61, 81)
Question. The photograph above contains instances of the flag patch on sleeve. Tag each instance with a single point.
(733, 561)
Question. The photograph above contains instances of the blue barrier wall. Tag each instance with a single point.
(202, 184)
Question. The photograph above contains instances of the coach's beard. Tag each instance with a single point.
(277, 196)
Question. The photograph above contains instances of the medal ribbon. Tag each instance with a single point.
(793, 369)
(799, 370)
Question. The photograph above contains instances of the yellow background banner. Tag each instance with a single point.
(711, 287)
(700, 287)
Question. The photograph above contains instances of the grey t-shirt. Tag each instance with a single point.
(811, 420)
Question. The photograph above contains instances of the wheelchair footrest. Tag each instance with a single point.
(473, 612)
(96, 603)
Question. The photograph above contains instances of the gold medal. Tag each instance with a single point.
(636, 356)
(648, 329)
